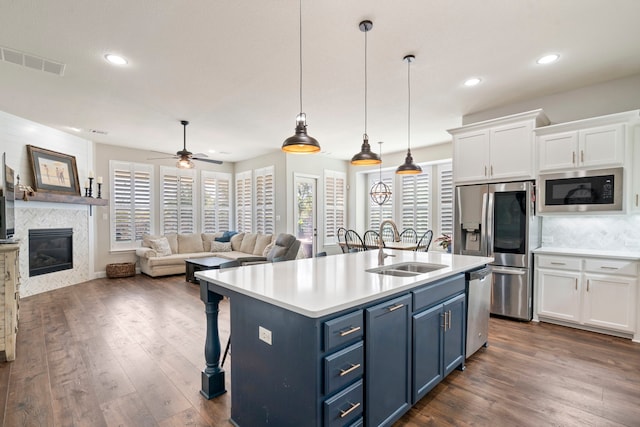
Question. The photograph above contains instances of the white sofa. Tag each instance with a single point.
(156, 259)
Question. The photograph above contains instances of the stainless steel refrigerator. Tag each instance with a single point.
(498, 220)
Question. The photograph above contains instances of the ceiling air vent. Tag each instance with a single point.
(98, 132)
(31, 61)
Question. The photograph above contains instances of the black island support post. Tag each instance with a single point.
(213, 374)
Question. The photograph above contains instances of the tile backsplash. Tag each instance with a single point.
(607, 232)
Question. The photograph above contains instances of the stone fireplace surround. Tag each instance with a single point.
(31, 215)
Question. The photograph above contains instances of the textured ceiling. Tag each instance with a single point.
(232, 67)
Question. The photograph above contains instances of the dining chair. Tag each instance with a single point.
(371, 238)
(425, 241)
(409, 235)
(341, 239)
(354, 242)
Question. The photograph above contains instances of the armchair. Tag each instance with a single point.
(285, 248)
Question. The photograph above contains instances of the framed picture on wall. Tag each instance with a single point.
(53, 172)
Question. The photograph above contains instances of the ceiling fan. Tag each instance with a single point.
(185, 156)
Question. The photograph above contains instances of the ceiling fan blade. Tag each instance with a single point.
(163, 158)
(217, 162)
(199, 155)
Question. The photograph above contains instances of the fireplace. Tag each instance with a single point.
(50, 249)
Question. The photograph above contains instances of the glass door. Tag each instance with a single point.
(305, 212)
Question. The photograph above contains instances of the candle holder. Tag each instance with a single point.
(99, 191)
(90, 187)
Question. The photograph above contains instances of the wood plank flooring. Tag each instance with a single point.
(128, 352)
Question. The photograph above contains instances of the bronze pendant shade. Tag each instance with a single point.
(408, 167)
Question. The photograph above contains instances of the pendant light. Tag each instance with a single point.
(380, 192)
(301, 143)
(408, 167)
(365, 156)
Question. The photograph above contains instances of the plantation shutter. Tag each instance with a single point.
(445, 195)
(379, 213)
(265, 205)
(244, 202)
(335, 189)
(131, 194)
(177, 201)
(415, 201)
(216, 206)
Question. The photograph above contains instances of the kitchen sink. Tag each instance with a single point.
(406, 269)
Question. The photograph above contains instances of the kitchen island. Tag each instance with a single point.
(324, 342)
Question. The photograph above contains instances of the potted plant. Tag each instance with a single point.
(444, 242)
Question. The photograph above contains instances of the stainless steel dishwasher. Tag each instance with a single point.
(478, 303)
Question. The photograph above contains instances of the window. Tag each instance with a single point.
(415, 198)
(378, 213)
(244, 202)
(216, 201)
(445, 194)
(335, 193)
(131, 216)
(422, 202)
(265, 205)
(177, 200)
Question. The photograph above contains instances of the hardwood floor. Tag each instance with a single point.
(128, 352)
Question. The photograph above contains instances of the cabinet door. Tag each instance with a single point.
(609, 302)
(387, 361)
(557, 151)
(558, 294)
(454, 336)
(511, 151)
(471, 156)
(428, 333)
(635, 170)
(602, 146)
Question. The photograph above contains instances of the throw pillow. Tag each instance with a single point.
(161, 246)
(262, 241)
(236, 241)
(226, 236)
(266, 250)
(189, 243)
(147, 238)
(220, 246)
(248, 243)
(276, 252)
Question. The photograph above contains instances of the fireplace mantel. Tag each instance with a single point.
(60, 198)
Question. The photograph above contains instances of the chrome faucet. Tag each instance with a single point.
(396, 237)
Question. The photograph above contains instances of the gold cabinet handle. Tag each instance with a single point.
(636, 200)
(485, 170)
(588, 285)
(573, 157)
(605, 267)
(557, 263)
(395, 307)
(491, 171)
(350, 331)
(581, 156)
(576, 284)
(350, 410)
(347, 371)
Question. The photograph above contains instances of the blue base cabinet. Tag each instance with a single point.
(364, 366)
(438, 334)
(388, 361)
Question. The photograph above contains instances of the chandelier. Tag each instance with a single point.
(380, 192)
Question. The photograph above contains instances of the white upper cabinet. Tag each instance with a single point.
(496, 150)
(594, 143)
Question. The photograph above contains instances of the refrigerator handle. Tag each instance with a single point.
(507, 270)
(488, 216)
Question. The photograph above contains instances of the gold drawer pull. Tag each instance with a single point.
(395, 307)
(353, 367)
(604, 267)
(557, 263)
(349, 331)
(350, 410)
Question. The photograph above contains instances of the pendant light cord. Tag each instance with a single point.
(365, 82)
(409, 104)
(300, 35)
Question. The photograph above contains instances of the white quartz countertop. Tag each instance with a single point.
(317, 287)
(596, 253)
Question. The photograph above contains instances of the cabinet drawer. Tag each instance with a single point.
(343, 367)
(611, 266)
(343, 330)
(558, 262)
(345, 407)
(432, 294)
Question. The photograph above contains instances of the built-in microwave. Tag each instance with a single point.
(581, 191)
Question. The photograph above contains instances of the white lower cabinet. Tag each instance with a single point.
(594, 292)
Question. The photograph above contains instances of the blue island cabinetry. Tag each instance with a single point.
(366, 365)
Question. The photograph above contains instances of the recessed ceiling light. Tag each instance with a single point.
(75, 129)
(115, 59)
(472, 81)
(212, 151)
(548, 59)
